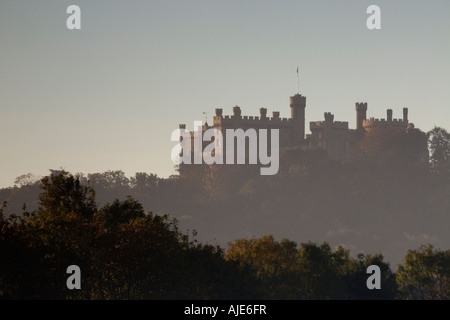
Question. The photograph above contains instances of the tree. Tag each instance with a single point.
(143, 182)
(356, 277)
(123, 252)
(273, 263)
(264, 254)
(64, 193)
(439, 148)
(25, 180)
(18, 262)
(320, 272)
(109, 185)
(425, 274)
(310, 272)
(59, 234)
(139, 260)
(111, 216)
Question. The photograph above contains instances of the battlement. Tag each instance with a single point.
(329, 118)
(361, 106)
(372, 122)
(298, 99)
(340, 125)
(219, 112)
(328, 123)
(248, 121)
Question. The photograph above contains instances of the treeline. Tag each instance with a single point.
(125, 253)
(388, 198)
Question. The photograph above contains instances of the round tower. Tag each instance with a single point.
(298, 105)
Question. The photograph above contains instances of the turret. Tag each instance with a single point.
(329, 118)
(263, 113)
(405, 114)
(361, 115)
(389, 115)
(298, 105)
(236, 112)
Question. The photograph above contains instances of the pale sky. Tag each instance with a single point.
(108, 96)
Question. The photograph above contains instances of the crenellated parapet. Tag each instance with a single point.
(384, 123)
(389, 122)
(237, 120)
(329, 123)
(340, 125)
(361, 106)
(298, 99)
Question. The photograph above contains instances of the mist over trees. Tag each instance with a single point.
(386, 200)
(126, 253)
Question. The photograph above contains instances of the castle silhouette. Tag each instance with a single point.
(335, 137)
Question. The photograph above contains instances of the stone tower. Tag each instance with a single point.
(361, 115)
(298, 105)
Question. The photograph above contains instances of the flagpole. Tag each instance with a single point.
(298, 90)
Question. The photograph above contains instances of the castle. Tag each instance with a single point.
(334, 136)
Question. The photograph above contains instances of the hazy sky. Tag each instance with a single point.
(108, 96)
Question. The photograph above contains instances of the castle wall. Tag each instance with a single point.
(236, 121)
(330, 135)
(385, 123)
(334, 136)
